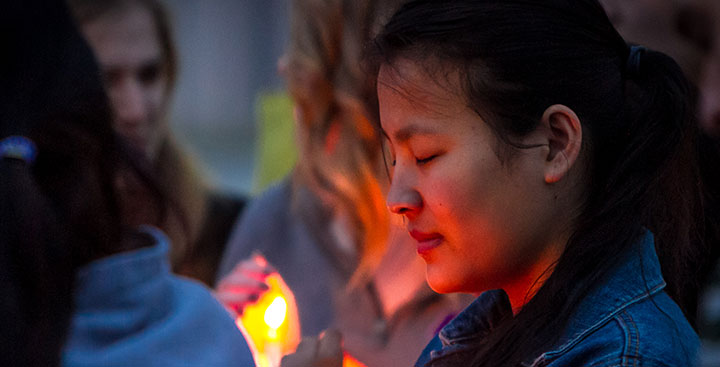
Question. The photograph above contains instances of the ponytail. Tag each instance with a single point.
(646, 179)
(662, 147)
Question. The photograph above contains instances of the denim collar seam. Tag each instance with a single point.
(603, 320)
(446, 352)
(448, 341)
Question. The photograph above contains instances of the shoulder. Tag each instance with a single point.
(151, 317)
(653, 332)
(207, 330)
(263, 223)
(271, 202)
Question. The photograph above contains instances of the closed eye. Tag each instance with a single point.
(422, 161)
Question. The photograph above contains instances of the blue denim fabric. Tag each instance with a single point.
(628, 320)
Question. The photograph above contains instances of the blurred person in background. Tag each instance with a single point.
(326, 228)
(84, 281)
(689, 31)
(653, 23)
(133, 42)
(700, 24)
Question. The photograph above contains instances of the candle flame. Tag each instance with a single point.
(271, 325)
(275, 313)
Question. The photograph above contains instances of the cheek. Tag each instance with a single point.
(156, 100)
(157, 97)
(461, 193)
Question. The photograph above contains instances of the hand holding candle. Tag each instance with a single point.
(245, 284)
(266, 309)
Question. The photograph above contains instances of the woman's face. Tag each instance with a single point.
(128, 49)
(479, 223)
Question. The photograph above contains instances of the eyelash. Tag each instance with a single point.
(418, 160)
(425, 160)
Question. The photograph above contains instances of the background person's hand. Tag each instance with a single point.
(245, 284)
(322, 351)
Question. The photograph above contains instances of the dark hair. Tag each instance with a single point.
(61, 211)
(518, 57)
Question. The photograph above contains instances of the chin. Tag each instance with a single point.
(440, 282)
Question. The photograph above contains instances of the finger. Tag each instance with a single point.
(288, 360)
(293, 360)
(330, 349)
(237, 300)
(308, 346)
(304, 355)
(253, 269)
(259, 259)
(237, 304)
(258, 270)
(241, 284)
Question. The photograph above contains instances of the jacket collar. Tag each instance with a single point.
(636, 277)
(478, 319)
(121, 275)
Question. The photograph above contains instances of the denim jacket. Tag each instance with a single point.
(628, 320)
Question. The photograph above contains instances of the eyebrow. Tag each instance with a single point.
(407, 132)
(155, 61)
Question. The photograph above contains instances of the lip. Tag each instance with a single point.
(426, 241)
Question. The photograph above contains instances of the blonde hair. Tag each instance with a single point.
(341, 154)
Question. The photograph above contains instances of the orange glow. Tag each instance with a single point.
(349, 361)
(271, 324)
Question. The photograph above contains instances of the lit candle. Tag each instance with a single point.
(271, 324)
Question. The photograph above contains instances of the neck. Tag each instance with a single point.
(524, 288)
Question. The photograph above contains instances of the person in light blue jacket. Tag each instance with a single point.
(84, 280)
(131, 311)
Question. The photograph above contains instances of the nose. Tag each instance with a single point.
(129, 103)
(403, 199)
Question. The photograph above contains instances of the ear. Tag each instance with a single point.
(564, 138)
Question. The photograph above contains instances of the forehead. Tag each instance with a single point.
(429, 88)
(414, 101)
(125, 37)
